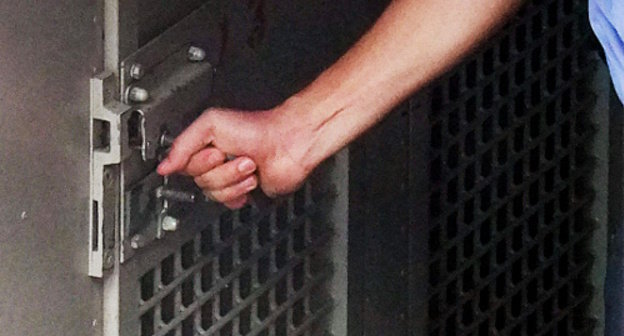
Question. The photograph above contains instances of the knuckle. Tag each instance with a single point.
(203, 181)
(192, 170)
(222, 196)
(216, 156)
(233, 172)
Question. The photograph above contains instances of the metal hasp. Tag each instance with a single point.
(162, 87)
(107, 145)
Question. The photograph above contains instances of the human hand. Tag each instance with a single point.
(269, 147)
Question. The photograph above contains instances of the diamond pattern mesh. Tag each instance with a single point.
(250, 273)
(509, 202)
(508, 210)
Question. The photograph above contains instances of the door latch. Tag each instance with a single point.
(131, 205)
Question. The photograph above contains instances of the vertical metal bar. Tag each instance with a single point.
(120, 33)
(177, 301)
(599, 243)
(216, 273)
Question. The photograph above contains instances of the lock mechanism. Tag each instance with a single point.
(159, 90)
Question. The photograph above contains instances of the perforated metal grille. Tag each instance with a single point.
(509, 204)
(250, 273)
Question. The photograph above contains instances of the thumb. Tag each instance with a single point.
(195, 138)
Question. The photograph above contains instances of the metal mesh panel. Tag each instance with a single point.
(257, 271)
(509, 203)
(251, 272)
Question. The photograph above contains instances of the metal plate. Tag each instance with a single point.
(48, 52)
(174, 84)
(201, 29)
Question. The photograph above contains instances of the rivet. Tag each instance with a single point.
(136, 71)
(196, 54)
(109, 259)
(137, 94)
(170, 223)
(137, 241)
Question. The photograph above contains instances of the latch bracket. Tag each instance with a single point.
(107, 150)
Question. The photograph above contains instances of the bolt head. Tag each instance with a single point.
(109, 259)
(137, 241)
(170, 223)
(196, 54)
(137, 94)
(166, 140)
(137, 71)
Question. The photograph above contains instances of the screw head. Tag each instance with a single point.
(137, 71)
(170, 223)
(109, 259)
(137, 241)
(137, 94)
(196, 54)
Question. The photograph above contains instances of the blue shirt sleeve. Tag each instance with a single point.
(607, 21)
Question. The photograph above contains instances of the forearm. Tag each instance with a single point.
(412, 43)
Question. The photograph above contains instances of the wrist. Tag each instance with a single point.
(298, 132)
(319, 126)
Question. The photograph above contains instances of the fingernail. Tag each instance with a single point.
(251, 184)
(247, 166)
(163, 165)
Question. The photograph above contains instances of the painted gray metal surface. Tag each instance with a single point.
(48, 52)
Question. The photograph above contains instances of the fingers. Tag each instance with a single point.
(192, 140)
(226, 174)
(226, 183)
(234, 192)
(204, 161)
(237, 203)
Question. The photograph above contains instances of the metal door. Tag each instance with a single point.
(48, 52)
(88, 89)
(497, 224)
(273, 270)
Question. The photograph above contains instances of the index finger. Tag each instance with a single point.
(196, 137)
